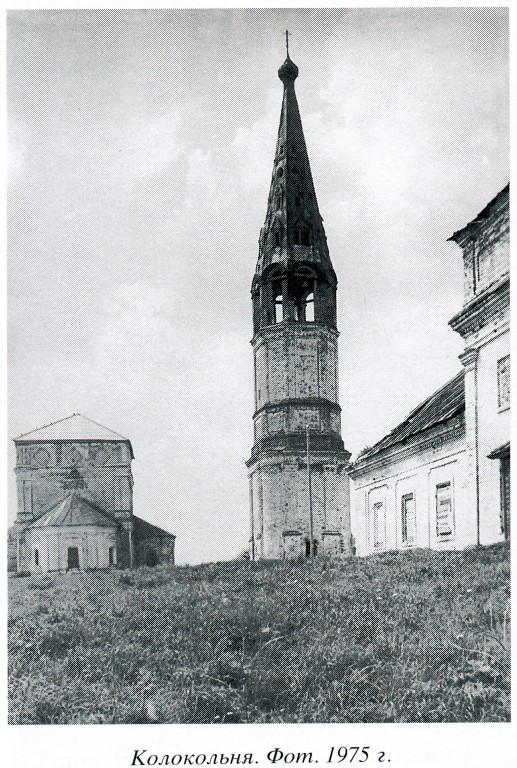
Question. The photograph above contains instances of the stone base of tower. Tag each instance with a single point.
(280, 509)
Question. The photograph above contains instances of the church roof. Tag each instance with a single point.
(501, 197)
(443, 405)
(74, 427)
(143, 529)
(74, 509)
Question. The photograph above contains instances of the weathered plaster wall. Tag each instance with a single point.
(93, 544)
(44, 471)
(280, 506)
(417, 472)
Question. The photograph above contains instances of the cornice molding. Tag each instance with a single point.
(434, 441)
(483, 308)
(290, 329)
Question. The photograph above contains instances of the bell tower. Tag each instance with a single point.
(299, 492)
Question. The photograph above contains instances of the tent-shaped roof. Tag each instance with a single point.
(446, 403)
(75, 427)
(74, 510)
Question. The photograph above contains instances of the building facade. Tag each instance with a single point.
(441, 479)
(409, 490)
(299, 488)
(484, 324)
(75, 502)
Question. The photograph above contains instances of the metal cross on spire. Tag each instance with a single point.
(287, 42)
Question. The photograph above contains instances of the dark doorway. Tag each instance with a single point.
(151, 558)
(308, 552)
(111, 555)
(505, 496)
(73, 557)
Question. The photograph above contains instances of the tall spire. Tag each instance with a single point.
(293, 228)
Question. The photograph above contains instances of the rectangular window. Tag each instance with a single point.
(503, 383)
(444, 512)
(408, 519)
(36, 557)
(378, 525)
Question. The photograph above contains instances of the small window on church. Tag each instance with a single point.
(280, 172)
(111, 555)
(280, 199)
(503, 383)
(36, 557)
(281, 149)
(301, 236)
(278, 238)
(379, 525)
(408, 519)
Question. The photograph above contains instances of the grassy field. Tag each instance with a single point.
(397, 637)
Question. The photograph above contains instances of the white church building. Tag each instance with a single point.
(441, 478)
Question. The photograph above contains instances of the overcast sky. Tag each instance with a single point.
(141, 147)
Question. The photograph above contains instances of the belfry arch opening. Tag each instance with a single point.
(301, 295)
(278, 302)
(302, 288)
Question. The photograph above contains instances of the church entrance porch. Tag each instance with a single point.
(503, 455)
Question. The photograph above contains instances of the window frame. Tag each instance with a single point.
(451, 536)
(410, 496)
(503, 366)
(379, 544)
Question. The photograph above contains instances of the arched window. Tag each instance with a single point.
(277, 238)
(278, 302)
(36, 557)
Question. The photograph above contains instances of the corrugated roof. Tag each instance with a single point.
(74, 510)
(443, 405)
(75, 427)
(144, 529)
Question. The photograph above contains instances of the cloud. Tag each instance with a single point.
(148, 147)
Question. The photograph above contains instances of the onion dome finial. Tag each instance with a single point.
(288, 72)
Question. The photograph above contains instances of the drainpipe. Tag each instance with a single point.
(476, 440)
(311, 521)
